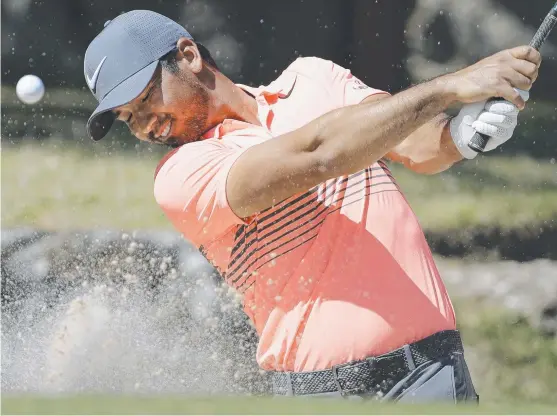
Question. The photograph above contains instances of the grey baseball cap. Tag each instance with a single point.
(122, 59)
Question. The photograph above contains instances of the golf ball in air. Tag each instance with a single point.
(30, 89)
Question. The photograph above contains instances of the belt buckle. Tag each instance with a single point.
(371, 361)
(334, 369)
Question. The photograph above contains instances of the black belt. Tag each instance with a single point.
(372, 374)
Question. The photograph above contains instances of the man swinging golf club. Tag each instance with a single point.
(284, 188)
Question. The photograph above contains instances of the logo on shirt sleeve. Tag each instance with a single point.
(359, 85)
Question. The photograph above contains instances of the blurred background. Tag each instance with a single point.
(100, 295)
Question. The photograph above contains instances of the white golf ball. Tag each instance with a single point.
(30, 89)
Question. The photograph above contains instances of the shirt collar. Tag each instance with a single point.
(281, 87)
(264, 95)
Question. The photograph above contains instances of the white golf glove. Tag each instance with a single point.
(495, 118)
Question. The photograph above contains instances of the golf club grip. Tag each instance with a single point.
(543, 32)
(479, 141)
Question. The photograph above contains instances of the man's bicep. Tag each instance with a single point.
(270, 172)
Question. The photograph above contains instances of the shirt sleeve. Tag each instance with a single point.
(190, 187)
(344, 87)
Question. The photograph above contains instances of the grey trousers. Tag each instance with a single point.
(442, 381)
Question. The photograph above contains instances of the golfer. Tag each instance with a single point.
(286, 191)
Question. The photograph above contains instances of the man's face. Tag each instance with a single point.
(173, 109)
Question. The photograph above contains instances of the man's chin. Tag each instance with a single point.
(177, 141)
(170, 141)
(175, 145)
(173, 142)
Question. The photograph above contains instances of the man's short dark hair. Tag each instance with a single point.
(169, 62)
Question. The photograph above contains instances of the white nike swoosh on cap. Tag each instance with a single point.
(92, 82)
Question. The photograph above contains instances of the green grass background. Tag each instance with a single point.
(57, 185)
(239, 406)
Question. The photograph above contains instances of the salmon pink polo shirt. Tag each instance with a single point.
(338, 273)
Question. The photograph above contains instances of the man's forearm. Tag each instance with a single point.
(370, 130)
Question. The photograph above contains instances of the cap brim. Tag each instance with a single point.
(102, 118)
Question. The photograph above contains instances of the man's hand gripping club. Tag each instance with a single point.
(496, 118)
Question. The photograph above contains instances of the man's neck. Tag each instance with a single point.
(232, 102)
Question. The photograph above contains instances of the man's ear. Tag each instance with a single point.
(187, 50)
